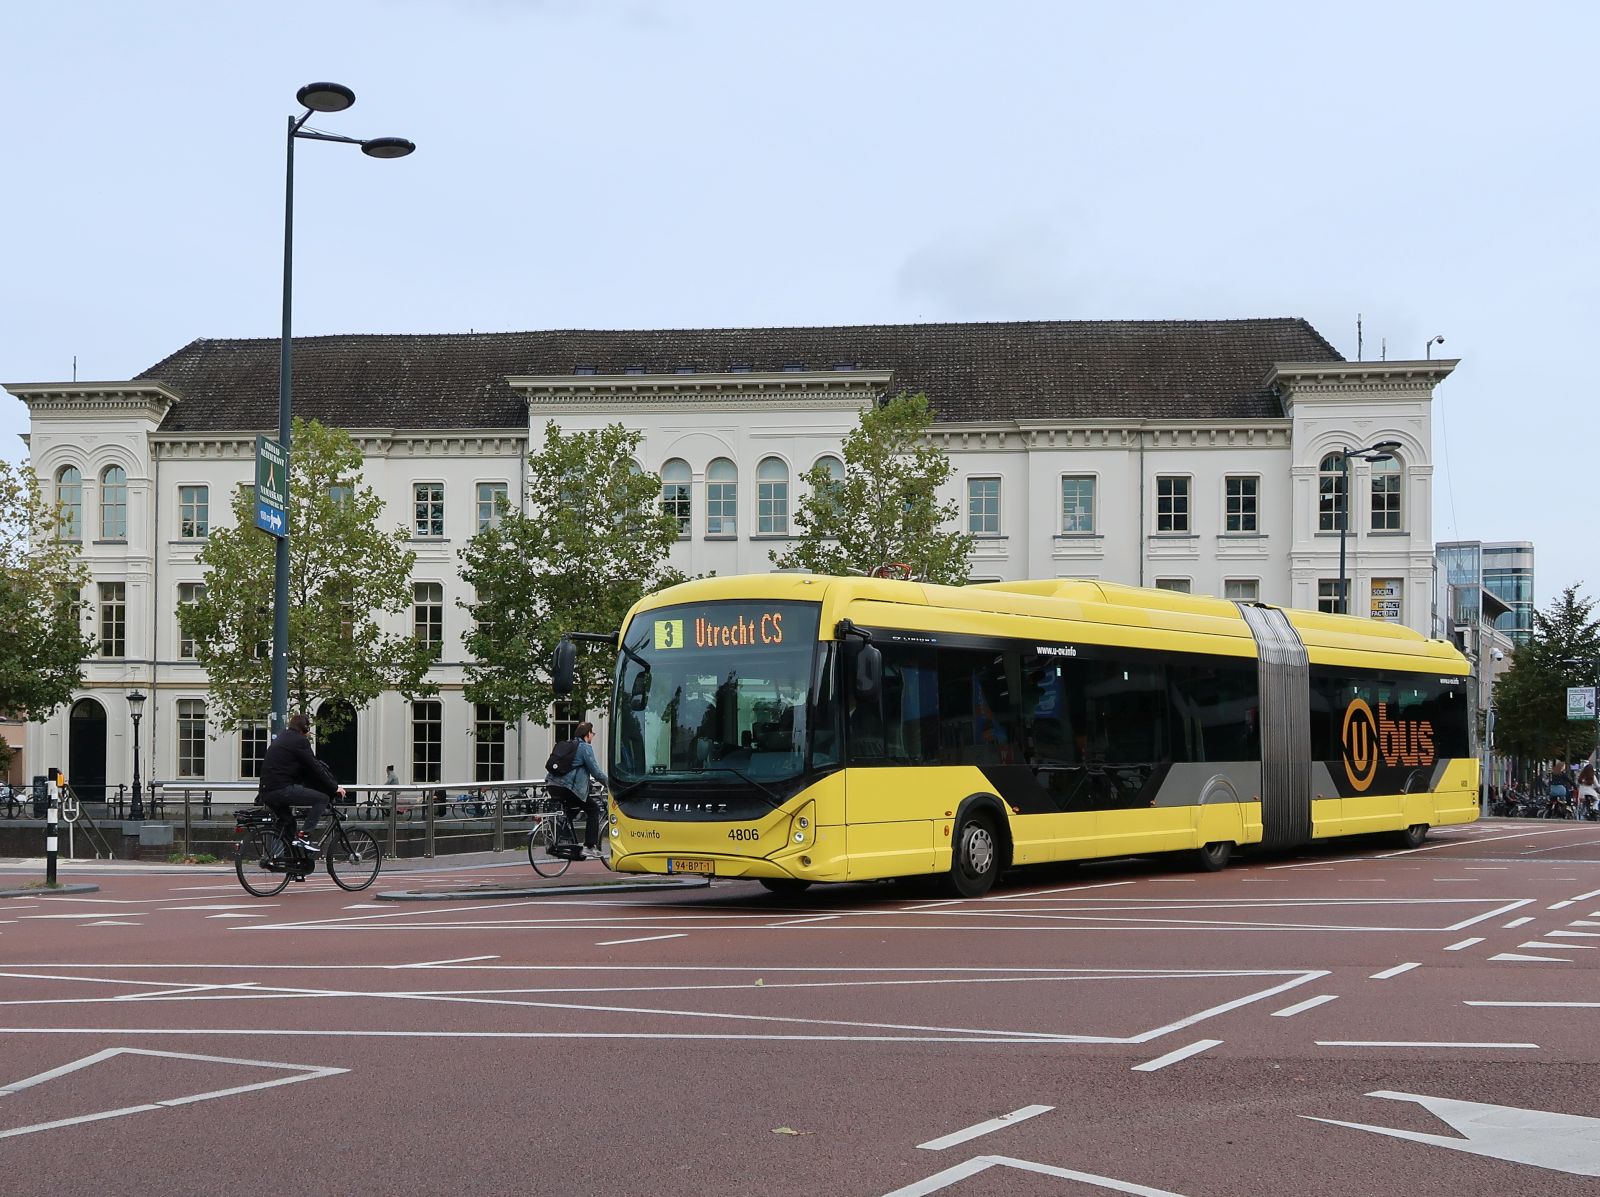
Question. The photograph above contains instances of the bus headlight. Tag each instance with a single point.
(800, 830)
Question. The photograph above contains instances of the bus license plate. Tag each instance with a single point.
(690, 866)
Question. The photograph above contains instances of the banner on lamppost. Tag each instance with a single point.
(1580, 702)
(1386, 599)
(272, 487)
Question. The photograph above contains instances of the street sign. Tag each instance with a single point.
(272, 487)
(1580, 702)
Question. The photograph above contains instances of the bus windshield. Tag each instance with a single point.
(715, 693)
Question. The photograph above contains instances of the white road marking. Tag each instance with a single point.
(1183, 1053)
(1465, 943)
(1559, 947)
(1561, 1142)
(1594, 893)
(611, 943)
(1560, 905)
(84, 914)
(1572, 934)
(113, 923)
(1417, 1043)
(984, 1128)
(1518, 958)
(1300, 1007)
(1540, 1005)
(1519, 922)
(236, 916)
(981, 1163)
(227, 906)
(441, 963)
(1395, 971)
(306, 1072)
(810, 918)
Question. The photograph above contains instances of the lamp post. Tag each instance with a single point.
(315, 97)
(135, 710)
(1382, 451)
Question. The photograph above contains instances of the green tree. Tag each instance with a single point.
(42, 578)
(595, 540)
(345, 574)
(1530, 698)
(886, 509)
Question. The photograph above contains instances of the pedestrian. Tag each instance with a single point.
(390, 777)
(1588, 793)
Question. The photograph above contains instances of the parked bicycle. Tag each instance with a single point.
(554, 843)
(266, 859)
(10, 803)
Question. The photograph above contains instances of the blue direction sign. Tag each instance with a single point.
(272, 487)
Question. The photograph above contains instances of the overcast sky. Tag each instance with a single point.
(678, 163)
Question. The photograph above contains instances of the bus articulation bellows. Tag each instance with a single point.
(794, 728)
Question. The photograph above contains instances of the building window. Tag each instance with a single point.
(427, 501)
(1330, 493)
(1240, 515)
(189, 593)
(113, 619)
(1178, 585)
(1077, 505)
(722, 498)
(1172, 503)
(1329, 595)
(493, 500)
(69, 493)
(983, 506)
(191, 737)
(564, 720)
(252, 749)
(114, 504)
(772, 497)
(1386, 495)
(428, 615)
(675, 482)
(427, 741)
(488, 744)
(193, 512)
(1244, 590)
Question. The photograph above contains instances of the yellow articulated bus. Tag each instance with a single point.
(791, 728)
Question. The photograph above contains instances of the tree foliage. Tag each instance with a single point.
(42, 578)
(593, 542)
(345, 575)
(1530, 698)
(886, 509)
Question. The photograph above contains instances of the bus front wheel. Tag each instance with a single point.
(784, 886)
(975, 863)
(1214, 857)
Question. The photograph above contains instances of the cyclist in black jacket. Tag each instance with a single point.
(291, 775)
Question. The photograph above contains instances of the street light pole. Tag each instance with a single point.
(315, 97)
(1382, 451)
(135, 710)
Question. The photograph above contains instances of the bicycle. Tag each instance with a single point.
(266, 860)
(553, 844)
(10, 804)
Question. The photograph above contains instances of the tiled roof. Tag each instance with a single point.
(1089, 370)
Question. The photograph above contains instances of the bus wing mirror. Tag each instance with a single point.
(639, 692)
(869, 671)
(563, 667)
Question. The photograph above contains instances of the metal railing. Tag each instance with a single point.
(436, 813)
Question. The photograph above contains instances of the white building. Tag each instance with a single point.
(1198, 455)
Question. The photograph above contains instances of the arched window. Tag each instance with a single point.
(69, 493)
(114, 504)
(1330, 493)
(772, 497)
(1387, 477)
(822, 503)
(722, 498)
(675, 482)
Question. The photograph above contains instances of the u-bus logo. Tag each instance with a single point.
(1359, 739)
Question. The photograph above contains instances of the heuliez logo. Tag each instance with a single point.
(1369, 739)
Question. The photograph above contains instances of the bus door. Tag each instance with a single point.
(893, 790)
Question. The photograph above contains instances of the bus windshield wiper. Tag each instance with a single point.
(777, 799)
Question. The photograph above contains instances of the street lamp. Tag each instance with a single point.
(316, 97)
(1382, 451)
(135, 710)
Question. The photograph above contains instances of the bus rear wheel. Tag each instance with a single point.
(1214, 857)
(784, 886)
(975, 863)
(1413, 836)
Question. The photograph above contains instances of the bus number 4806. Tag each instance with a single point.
(744, 833)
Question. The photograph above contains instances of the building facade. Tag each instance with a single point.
(1204, 456)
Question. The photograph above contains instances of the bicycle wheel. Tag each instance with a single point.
(554, 832)
(353, 858)
(258, 858)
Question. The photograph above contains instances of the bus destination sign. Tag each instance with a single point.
(742, 629)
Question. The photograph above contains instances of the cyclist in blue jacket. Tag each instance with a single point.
(575, 782)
